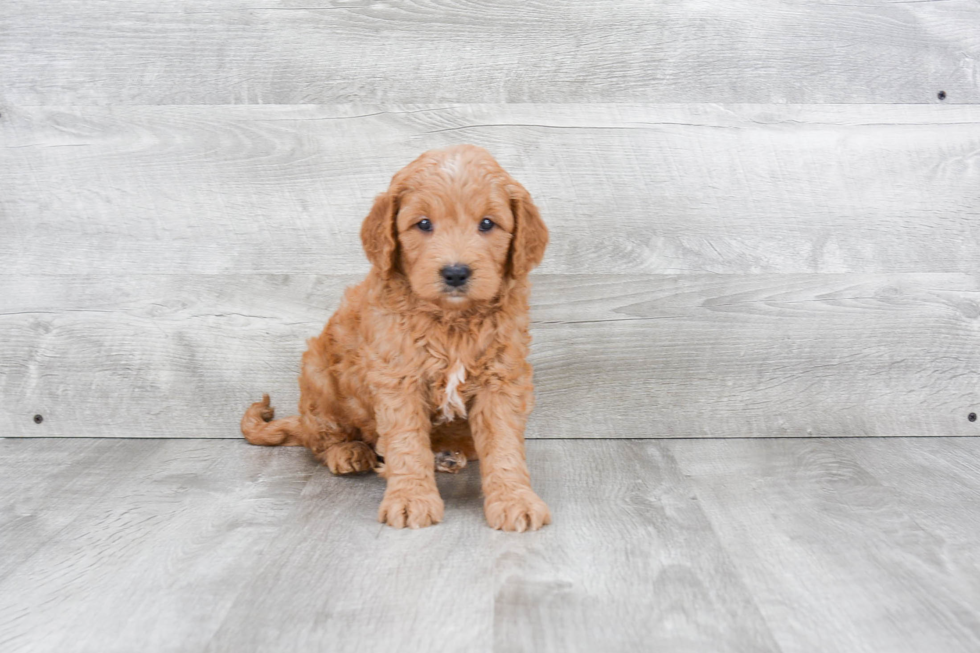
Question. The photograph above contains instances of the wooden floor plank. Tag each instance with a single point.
(614, 355)
(627, 189)
(152, 563)
(632, 563)
(225, 547)
(820, 540)
(334, 574)
(46, 486)
(938, 484)
(282, 51)
(739, 545)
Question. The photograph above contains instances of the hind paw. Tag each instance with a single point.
(349, 458)
(451, 462)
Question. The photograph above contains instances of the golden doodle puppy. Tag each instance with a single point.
(425, 362)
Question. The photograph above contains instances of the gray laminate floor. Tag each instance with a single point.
(657, 545)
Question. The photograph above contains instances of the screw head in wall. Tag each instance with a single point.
(38, 419)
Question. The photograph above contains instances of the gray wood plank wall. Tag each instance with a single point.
(181, 191)
(616, 355)
(624, 188)
(98, 52)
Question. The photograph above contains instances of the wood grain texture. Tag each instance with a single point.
(334, 578)
(297, 51)
(46, 487)
(634, 564)
(623, 188)
(861, 531)
(615, 356)
(694, 545)
(151, 562)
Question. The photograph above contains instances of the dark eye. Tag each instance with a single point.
(486, 224)
(424, 224)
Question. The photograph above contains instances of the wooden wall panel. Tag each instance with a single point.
(616, 356)
(100, 52)
(624, 189)
(764, 220)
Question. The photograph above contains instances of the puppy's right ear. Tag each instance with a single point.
(378, 233)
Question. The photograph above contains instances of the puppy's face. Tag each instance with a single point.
(454, 233)
(455, 224)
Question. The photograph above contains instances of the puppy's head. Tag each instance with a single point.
(455, 224)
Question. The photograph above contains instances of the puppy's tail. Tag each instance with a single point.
(259, 427)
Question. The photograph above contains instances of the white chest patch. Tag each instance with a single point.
(453, 406)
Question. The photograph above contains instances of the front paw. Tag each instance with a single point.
(413, 508)
(517, 511)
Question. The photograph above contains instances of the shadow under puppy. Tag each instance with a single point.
(429, 353)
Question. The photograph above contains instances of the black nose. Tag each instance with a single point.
(455, 275)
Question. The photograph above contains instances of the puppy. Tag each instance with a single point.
(429, 353)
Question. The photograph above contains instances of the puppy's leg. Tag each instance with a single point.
(497, 419)
(329, 435)
(340, 449)
(411, 498)
(328, 443)
(347, 457)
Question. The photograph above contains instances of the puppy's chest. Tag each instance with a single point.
(451, 387)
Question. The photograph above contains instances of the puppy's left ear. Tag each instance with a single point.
(378, 233)
(530, 236)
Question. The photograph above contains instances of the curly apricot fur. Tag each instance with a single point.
(385, 372)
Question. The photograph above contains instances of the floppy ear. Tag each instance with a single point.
(530, 236)
(378, 233)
